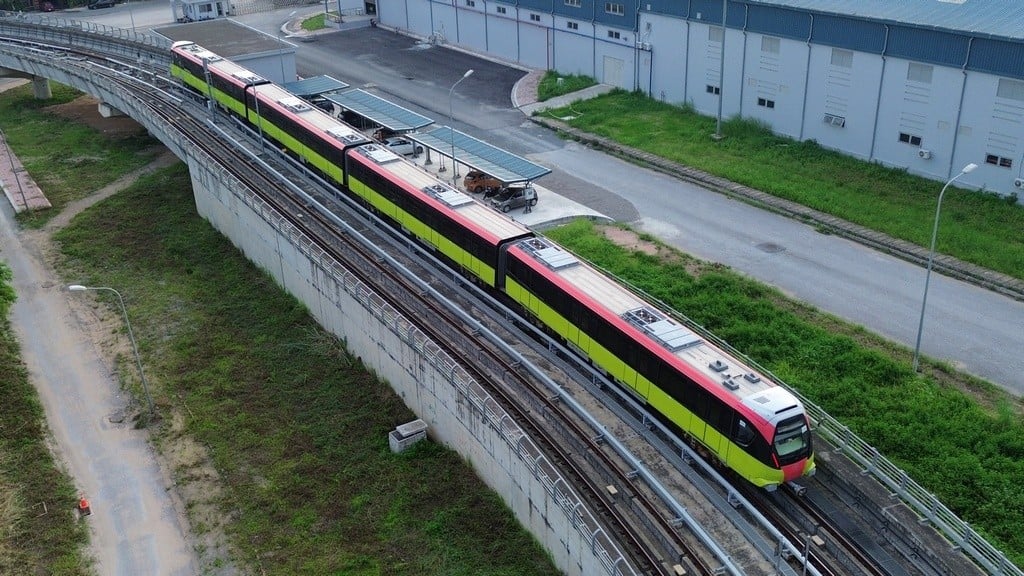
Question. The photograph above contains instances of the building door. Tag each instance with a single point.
(612, 71)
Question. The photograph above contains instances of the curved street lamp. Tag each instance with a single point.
(931, 256)
(455, 170)
(131, 336)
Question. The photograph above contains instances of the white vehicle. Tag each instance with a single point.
(402, 146)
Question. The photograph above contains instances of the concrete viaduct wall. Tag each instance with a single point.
(458, 411)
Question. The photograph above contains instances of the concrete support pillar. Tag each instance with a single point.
(108, 111)
(41, 88)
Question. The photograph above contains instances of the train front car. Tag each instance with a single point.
(758, 429)
(465, 232)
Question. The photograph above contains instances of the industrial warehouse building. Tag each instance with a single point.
(926, 85)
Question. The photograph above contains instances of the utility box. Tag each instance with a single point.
(404, 436)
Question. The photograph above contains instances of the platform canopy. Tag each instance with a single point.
(380, 111)
(315, 86)
(480, 155)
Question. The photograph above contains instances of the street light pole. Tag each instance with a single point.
(131, 336)
(281, 43)
(451, 120)
(931, 256)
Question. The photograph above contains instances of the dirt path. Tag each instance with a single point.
(137, 527)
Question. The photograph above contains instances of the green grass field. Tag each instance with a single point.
(975, 227)
(314, 23)
(554, 84)
(43, 141)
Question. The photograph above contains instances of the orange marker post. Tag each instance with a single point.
(83, 507)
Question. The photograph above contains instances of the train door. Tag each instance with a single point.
(712, 433)
(612, 71)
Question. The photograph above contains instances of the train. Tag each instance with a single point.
(714, 399)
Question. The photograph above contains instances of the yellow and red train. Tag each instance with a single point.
(752, 425)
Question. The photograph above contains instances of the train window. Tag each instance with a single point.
(743, 433)
(574, 313)
(668, 380)
(679, 387)
(600, 330)
(610, 335)
(583, 316)
(565, 303)
(621, 347)
(791, 439)
(645, 364)
(714, 410)
(523, 274)
(725, 417)
(700, 403)
(630, 352)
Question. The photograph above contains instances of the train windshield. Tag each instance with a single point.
(792, 440)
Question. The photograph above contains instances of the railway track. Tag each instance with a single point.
(653, 542)
(458, 340)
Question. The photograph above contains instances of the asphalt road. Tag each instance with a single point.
(977, 330)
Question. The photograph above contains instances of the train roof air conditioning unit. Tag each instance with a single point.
(924, 154)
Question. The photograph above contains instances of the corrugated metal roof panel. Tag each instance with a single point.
(379, 110)
(480, 155)
(315, 86)
(1002, 18)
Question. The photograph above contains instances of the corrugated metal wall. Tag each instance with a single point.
(678, 8)
(778, 22)
(538, 5)
(585, 11)
(930, 46)
(997, 57)
(848, 33)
